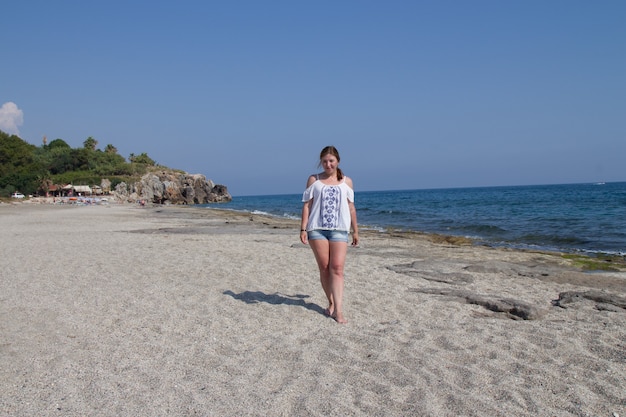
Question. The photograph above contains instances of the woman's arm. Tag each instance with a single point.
(353, 221)
(306, 209)
(355, 227)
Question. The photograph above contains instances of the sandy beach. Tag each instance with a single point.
(117, 310)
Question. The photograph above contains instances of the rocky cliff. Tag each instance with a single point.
(169, 187)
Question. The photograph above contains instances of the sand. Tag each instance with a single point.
(173, 311)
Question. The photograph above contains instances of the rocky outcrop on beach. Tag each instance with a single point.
(171, 187)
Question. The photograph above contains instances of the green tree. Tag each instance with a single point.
(90, 143)
(17, 167)
(80, 159)
(110, 163)
(29, 168)
(58, 144)
(142, 159)
(45, 183)
(60, 160)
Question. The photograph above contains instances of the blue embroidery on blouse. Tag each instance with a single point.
(330, 207)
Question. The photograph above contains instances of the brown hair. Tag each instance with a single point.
(331, 150)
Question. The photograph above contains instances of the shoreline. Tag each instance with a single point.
(608, 260)
(171, 310)
(564, 218)
(614, 256)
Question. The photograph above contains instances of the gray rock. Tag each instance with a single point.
(514, 309)
(169, 187)
(604, 300)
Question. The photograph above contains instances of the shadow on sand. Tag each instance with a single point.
(254, 297)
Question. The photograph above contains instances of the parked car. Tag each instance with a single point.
(17, 195)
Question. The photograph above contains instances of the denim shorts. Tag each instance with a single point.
(330, 235)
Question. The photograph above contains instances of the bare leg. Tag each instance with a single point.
(322, 256)
(331, 257)
(337, 254)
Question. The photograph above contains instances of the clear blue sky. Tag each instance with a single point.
(415, 94)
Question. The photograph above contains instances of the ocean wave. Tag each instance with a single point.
(260, 212)
(567, 241)
(483, 229)
(289, 216)
(373, 228)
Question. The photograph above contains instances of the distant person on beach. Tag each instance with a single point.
(328, 214)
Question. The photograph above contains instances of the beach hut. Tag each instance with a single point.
(67, 190)
(82, 190)
(54, 190)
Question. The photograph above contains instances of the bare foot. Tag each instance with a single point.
(339, 318)
(330, 311)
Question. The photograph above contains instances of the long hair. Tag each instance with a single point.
(331, 150)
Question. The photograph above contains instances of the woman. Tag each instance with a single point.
(328, 213)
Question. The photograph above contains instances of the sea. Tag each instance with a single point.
(572, 218)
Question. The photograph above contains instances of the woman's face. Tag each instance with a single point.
(329, 163)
